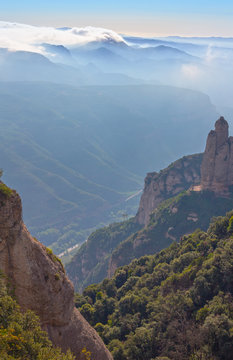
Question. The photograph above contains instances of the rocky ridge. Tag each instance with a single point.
(177, 177)
(163, 221)
(40, 283)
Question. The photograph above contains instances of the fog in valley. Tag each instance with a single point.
(87, 112)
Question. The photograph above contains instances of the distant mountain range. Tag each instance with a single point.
(80, 152)
(96, 56)
(85, 112)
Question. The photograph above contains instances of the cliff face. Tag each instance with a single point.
(179, 176)
(40, 283)
(217, 165)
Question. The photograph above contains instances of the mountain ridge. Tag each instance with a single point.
(174, 202)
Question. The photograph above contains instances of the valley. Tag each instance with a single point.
(116, 197)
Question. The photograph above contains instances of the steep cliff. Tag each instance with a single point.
(217, 165)
(40, 283)
(172, 219)
(164, 211)
(177, 177)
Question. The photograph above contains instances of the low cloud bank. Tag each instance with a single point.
(16, 36)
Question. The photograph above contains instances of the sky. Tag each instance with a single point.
(135, 17)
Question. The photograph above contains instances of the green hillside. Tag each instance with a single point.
(91, 263)
(172, 219)
(174, 305)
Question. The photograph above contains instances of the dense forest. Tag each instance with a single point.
(176, 304)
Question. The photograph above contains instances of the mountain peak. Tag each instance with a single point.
(217, 165)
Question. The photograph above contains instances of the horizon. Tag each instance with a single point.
(126, 34)
(150, 19)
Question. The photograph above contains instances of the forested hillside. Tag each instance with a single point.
(118, 244)
(176, 304)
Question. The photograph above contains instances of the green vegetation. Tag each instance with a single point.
(5, 190)
(173, 218)
(97, 251)
(21, 336)
(174, 305)
(54, 258)
(120, 243)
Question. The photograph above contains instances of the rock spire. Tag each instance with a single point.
(217, 164)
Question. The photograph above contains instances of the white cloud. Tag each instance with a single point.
(16, 36)
(191, 71)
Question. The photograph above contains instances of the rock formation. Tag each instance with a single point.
(217, 165)
(40, 283)
(177, 177)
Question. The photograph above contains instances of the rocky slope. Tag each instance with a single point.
(93, 261)
(177, 177)
(40, 283)
(217, 165)
(172, 219)
(166, 213)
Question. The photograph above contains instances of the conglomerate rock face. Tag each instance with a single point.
(177, 177)
(40, 283)
(217, 165)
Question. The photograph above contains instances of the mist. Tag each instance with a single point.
(96, 56)
(87, 112)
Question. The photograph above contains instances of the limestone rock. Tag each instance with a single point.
(179, 176)
(217, 165)
(41, 285)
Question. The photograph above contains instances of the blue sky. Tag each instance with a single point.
(152, 17)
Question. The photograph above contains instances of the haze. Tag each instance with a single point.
(145, 18)
(96, 94)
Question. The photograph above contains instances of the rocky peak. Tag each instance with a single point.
(40, 283)
(177, 177)
(221, 130)
(217, 164)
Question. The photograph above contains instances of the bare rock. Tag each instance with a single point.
(217, 165)
(179, 176)
(40, 283)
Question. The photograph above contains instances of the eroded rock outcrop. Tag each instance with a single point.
(217, 165)
(177, 177)
(40, 283)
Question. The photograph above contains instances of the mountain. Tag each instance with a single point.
(92, 262)
(175, 304)
(129, 60)
(172, 219)
(58, 53)
(217, 165)
(96, 56)
(81, 152)
(174, 202)
(39, 282)
(177, 177)
(31, 66)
